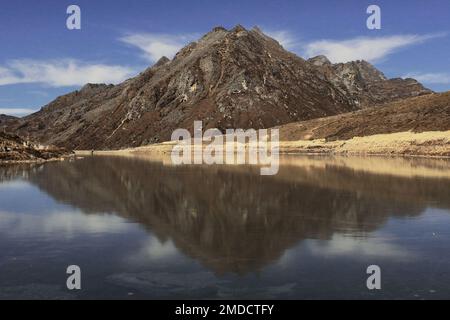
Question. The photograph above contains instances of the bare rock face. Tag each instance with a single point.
(320, 61)
(365, 85)
(234, 78)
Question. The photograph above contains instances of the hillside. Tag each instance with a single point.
(234, 78)
(419, 114)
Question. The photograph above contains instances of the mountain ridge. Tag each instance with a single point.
(234, 78)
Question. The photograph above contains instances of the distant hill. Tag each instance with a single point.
(6, 120)
(234, 78)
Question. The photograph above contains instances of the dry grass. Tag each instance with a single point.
(430, 143)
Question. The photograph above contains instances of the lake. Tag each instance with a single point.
(142, 228)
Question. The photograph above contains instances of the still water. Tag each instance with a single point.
(140, 228)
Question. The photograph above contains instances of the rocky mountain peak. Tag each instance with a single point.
(238, 28)
(364, 69)
(162, 61)
(219, 29)
(234, 78)
(89, 87)
(319, 60)
(257, 29)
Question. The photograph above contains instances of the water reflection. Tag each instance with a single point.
(230, 218)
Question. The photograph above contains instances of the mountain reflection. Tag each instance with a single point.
(228, 217)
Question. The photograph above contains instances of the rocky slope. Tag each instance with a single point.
(366, 85)
(229, 79)
(15, 149)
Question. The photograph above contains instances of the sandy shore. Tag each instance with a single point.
(428, 144)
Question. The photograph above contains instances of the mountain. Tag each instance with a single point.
(364, 84)
(234, 78)
(418, 114)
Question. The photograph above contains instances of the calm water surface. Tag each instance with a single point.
(145, 229)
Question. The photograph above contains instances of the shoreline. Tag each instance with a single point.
(429, 144)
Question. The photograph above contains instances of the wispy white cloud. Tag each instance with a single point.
(40, 93)
(364, 48)
(60, 224)
(18, 112)
(360, 48)
(341, 245)
(61, 73)
(13, 184)
(285, 37)
(156, 45)
(153, 249)
(431, 78)
(7, 76)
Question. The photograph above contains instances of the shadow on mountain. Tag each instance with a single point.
(230, 218)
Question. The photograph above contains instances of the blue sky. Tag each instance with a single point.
(41, 59)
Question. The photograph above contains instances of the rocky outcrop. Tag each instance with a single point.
(15, 149)
(364, 85)
(234, 78)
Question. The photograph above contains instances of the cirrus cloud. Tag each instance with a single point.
(364, 48)
(156, 45)
(431, 78)
(61, 72)
(286, 38)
